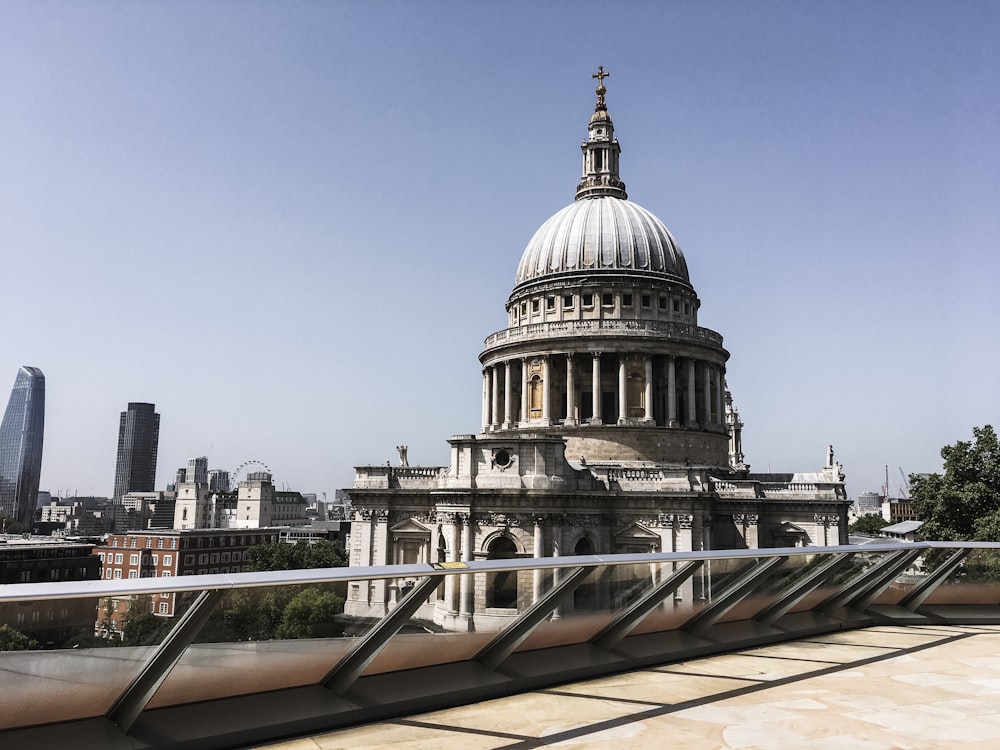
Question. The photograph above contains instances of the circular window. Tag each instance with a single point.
(502, 458)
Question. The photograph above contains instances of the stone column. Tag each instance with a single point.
(648, 417)
(671, 392)
(692, 403)
(570, 392)
(495, 418)
(556, 552)
(546, 414)
(720, 395)
(622, 391)
(449, 528)
(380, 545)
(508, 395)
(486, 398)
(466, 587)
(596, 396)
(684, 543)
(524, 392)
(536, 574)
(708, 394)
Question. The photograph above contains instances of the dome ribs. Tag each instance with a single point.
(602, 233)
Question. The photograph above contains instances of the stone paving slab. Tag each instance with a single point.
(912, 688)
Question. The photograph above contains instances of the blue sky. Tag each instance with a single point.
(291, 225)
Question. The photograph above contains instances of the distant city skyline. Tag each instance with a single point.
(292, 227)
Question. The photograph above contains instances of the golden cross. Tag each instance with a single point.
(600, 75)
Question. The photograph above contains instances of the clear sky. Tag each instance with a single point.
(292, 224)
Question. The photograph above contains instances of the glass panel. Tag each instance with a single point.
(469, 616)
(63, 659)
(776, 581)
(597, 602)
(859, 563)
(916, 572)
(974, 582)
(258, 639)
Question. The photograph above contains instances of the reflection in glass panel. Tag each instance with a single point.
(975, 581)
(261, 638)
(77, 654)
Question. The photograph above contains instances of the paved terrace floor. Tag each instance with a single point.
(882, 687)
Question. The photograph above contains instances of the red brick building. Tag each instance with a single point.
(167, 553)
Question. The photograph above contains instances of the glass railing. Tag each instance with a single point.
(222, 660)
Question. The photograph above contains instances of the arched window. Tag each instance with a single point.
(501, 588)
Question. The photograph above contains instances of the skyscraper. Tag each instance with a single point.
(138, 437)
(21, 435)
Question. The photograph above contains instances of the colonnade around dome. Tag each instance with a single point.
(603, 388)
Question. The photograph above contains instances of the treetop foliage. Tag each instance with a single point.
(298, 556)
(869, 524)
(963, 503)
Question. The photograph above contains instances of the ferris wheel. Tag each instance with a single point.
(235, 476)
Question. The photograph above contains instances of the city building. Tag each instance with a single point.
(166, 554)
(197, 471)
(40, 560)
(21, 433)
(607, 425)
(868, 503)
(255, 504)
(138, 439)
(218, 480)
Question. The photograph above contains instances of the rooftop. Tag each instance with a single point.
(913, 687)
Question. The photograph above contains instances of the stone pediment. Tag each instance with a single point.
(409, 526)
(790, 528)
(636, 531)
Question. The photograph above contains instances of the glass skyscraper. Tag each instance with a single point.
(21, 435)
(138, 438)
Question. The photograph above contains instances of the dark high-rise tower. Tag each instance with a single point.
(21, 435)
(138, 437)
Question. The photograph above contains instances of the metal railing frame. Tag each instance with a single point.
(856, 596)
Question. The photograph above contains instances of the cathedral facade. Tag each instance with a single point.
(607, 426)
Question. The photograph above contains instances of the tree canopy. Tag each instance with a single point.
(140, 627)
(298, 556)
(288, 611)
(869, 524)
(14, 640)
(963, 503)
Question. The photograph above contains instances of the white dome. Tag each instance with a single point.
(602, 234)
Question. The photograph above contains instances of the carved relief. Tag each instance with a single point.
(502, 520)
(401, 515)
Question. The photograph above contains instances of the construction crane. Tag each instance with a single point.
(904, 488)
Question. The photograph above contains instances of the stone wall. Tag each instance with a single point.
(644, 444)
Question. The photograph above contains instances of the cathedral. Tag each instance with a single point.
(607, 425)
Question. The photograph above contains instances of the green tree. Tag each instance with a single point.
(298, 556)
(255, 614)
(15, 640)
(288, 611)
(11, 526)
(964, 502)
(870, 524)
(140, 627)
(311, 613)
